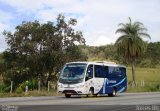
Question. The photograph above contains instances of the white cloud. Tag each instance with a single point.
(99, 38)
(3, 44)
(25, 5)
(4, 25)
(46, 15)
(102, 40)
(5, 17)
(98, 19)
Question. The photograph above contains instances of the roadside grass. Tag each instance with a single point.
(150, 76)
(33, 93)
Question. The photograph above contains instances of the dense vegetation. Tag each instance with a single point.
(38, 51)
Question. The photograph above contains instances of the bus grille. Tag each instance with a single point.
(70, 91)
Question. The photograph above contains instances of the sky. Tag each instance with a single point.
(97, 19)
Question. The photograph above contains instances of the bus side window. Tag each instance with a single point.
(117, 72)
(123, 72)
(120, 72)
(110, 72)
(114, 72)
(100, 71)
(89, 74)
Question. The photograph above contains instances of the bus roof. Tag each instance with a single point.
(106, 63)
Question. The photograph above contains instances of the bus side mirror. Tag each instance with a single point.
(87, 78)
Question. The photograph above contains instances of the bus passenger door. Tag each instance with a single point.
(100, 79)
(89, 79)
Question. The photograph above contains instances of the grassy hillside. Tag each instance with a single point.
(151, 77)
(147, 74)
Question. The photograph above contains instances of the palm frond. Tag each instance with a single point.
(130, 20)
(145, 35)
(139, 23)
(121, 30)
(130, 44)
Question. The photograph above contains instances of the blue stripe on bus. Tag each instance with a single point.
(104, 85)
(121, 90)
(119, 82)
(105, 89)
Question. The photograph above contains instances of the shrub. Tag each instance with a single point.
(19, 90)
(4, 88)
(146, 63)
(32, 84)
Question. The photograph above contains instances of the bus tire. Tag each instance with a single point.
(67, 95)
(113, 93)
(91, 91)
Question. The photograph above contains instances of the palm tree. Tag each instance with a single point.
(130, 43)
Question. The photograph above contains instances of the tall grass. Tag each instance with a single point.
(150, 76)
(30, 93)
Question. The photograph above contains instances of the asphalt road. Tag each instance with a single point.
(122, 102)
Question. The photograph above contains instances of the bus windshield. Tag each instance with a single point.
(73, 73)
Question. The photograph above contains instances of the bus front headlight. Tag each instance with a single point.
(80, 86)
(60, 86)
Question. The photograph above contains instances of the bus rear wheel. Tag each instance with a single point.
(113, 93)
(67, 95)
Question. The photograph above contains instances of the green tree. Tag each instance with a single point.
(39, 50)
(130, 43)
(153, 52)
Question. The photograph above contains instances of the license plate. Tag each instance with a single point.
(69, 88)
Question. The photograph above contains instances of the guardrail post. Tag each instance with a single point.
(142, 83)
(26, 88)
(48, 86)
(136, 84)
(11, 87)
(39, 86)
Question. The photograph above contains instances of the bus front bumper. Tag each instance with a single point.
(73, 91)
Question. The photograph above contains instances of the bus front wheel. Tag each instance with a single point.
(91, 91)
(67, 95)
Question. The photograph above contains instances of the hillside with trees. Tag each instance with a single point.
(150, 59)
